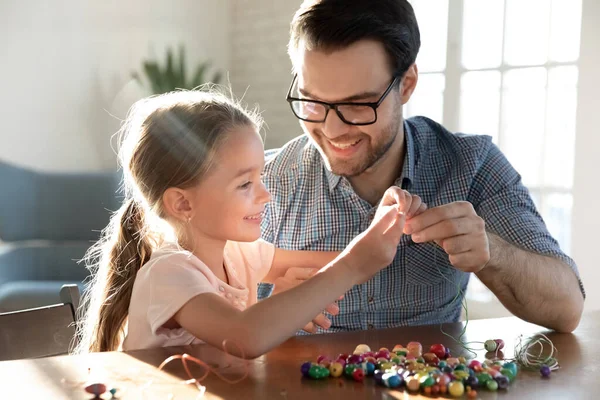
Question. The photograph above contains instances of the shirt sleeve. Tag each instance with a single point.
(173, 281)
(504, 203)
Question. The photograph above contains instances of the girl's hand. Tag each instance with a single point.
(410, 204)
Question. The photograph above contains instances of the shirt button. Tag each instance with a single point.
(371, 299)
(370, 326)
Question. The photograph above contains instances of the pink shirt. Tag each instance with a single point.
(173, 277)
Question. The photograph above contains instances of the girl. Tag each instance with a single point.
(180, 261)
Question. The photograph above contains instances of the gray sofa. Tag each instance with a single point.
(47, 222)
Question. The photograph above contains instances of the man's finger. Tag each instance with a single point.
(444, 230)
(435, 215)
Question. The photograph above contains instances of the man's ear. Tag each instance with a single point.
(409, 83)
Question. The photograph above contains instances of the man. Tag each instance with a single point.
(354, 69)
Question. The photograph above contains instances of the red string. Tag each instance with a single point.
(185, 358)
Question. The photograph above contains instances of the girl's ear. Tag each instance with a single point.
(177, 204)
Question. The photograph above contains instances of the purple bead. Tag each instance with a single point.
(502, 381)
(447, 353)
(356, 359)
(305, 368)
(378, 376)
(472, 381)
(545, 371)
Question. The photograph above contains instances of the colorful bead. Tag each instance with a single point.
(349, 369)
(378, 376)
(545, 371)
(96, 388)
(472, 394)
(318, 372)
(492, 385)
(462, 360)
(336, 369)
(484, 378)
(356, 359)
(427, 381)
(452, 361)
(508, 373)
(391, 380)
(500, 344)
(439, 350)
(397, 347)
(472, 381)
(361, 349)
(503, 382)
(358, 375)
(304, 368)
(413, 384)
(383, 354)
(321, 358)
(369, 368)
(456, 388)
(490, 345)
(512, 367)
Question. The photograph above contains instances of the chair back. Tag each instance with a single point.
(40, 332)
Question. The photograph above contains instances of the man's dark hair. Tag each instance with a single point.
(330, 25)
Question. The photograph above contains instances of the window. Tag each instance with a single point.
(508, 69)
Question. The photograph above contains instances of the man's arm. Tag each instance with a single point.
(502, 238)
(540, 289)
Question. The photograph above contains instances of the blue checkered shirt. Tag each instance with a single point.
(313, 209)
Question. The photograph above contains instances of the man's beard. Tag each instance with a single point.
(354, 167)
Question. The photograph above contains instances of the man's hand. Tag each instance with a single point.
(295, 276)
(458, 230)
(409, 204)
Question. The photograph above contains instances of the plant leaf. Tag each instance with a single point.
(199, 76)
(184, 83)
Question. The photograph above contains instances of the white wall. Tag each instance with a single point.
(586, 189)
(65, 64)
(260, 67)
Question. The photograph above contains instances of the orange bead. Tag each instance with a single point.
(443, 389)
(472, 394)
(427, 390)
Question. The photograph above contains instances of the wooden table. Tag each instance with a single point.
(276, 375)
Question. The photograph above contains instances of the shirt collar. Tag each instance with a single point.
(408, 168)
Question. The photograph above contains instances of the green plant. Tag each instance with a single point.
(173, 75)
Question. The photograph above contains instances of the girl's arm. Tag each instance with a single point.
(287, 259)
(268, 323)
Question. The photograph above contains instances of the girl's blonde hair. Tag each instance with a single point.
(166, 141)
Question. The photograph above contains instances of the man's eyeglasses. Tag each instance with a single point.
(352, 113)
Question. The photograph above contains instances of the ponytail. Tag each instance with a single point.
(114, 263)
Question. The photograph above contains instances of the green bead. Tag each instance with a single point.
(508, 373)
(442, 364)
(490, 345)
(460, 367)
(421, 360)
(483, 378)
(512, 366)
(426, 381)
(492, 385)
(402, 353)
(318, 372)
(349, 369)
(395, 360)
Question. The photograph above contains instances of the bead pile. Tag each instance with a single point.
(433, 373)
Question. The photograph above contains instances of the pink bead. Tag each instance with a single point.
(474, 363)
(321, 358)
(500, 344)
